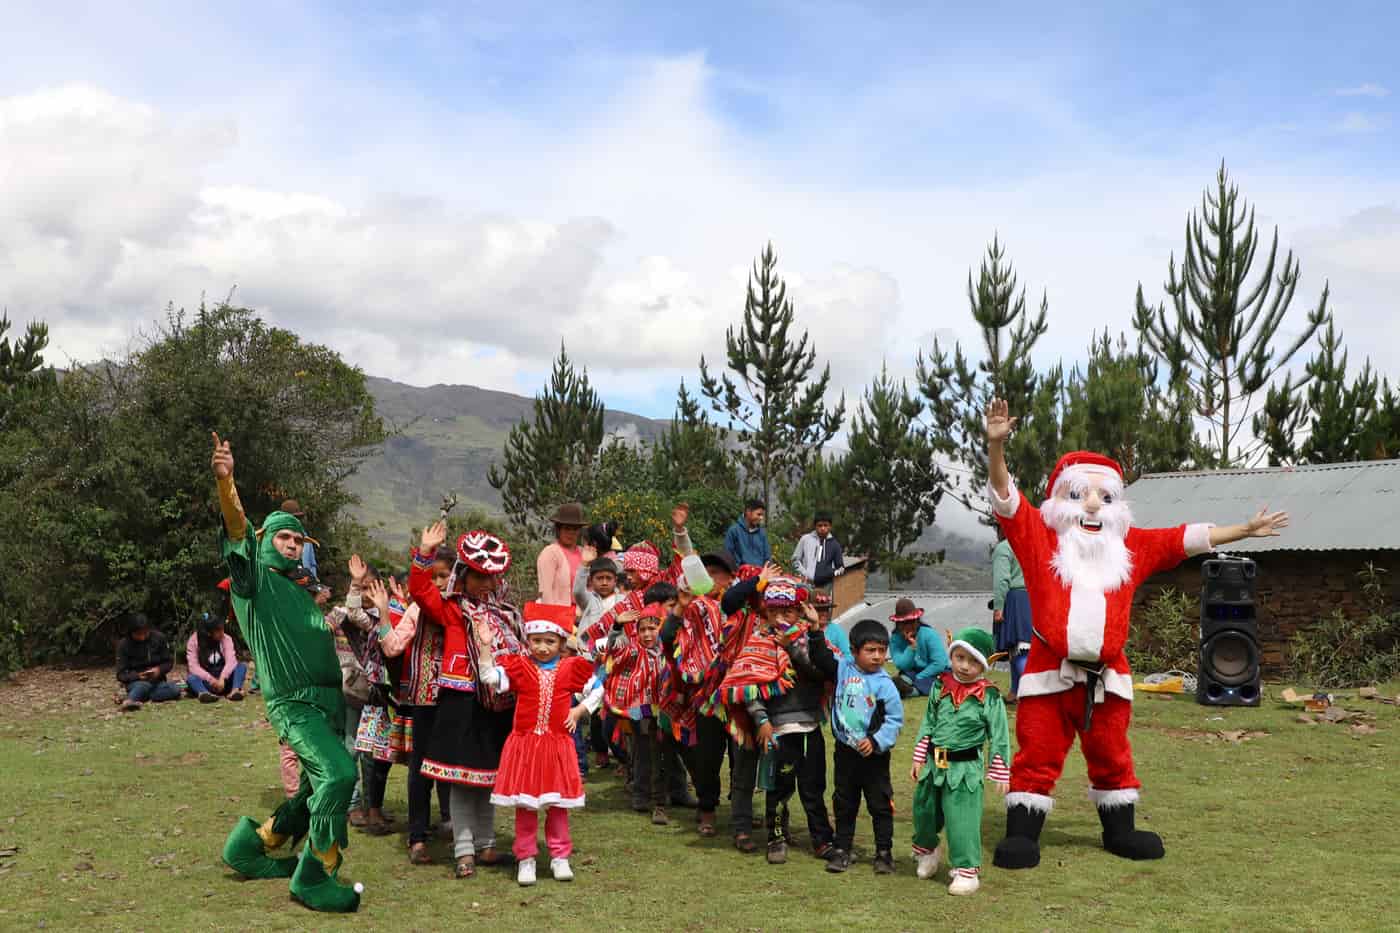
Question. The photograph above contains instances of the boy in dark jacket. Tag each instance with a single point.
(143, 661)
(791, 725)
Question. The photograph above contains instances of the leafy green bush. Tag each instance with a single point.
(1340, 651)
(1164, 634)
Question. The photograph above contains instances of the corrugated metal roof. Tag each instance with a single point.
(945, 612)
(1331, 507)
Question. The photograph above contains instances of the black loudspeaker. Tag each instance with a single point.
(1228, 674)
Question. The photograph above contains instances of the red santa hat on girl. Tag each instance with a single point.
(1077, 463)
(543, 619)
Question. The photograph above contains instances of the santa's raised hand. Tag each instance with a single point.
(1000, 424)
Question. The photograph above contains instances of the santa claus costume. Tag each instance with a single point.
(1082, 562)
(539, 765)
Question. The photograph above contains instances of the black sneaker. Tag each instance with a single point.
(884, 863)
(839, 861)
(823, 851)
(208, 698)
(777, 852)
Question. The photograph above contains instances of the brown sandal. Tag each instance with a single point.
(466, 867)
(744, 843)
(707, 823)
(418, 854)
(488, 857)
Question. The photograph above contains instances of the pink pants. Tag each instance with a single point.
(291, 770)
(556, 833)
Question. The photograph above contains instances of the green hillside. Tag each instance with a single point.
(448, 437)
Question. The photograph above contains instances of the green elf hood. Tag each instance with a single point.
(269, 556)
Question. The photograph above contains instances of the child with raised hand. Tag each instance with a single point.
(538, 769)
(965, 712)
(866, 716)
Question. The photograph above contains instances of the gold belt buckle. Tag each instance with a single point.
(940, 757)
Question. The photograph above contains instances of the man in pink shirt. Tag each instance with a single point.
(561, 560)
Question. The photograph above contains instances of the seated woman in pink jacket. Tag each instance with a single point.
(215, 670)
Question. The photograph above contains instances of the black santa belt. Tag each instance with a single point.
(941, 755)
(1093, 673)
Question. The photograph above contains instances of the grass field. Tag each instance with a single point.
(1269, 823)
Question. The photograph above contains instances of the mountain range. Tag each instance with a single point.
(445, 439)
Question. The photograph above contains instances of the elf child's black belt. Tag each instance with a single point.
(941, 755)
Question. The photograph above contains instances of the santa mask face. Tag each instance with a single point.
(1091, 518)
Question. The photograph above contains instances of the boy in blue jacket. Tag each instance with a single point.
(916, 650)
(866, 716)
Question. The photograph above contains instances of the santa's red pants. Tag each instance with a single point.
(1045, 729)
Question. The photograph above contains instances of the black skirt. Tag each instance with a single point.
(465, 747)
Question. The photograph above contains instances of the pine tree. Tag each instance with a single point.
(1380, 435)
(958, 393)
(691, 452)
(1222, 327)
(551, 459)
(1118, 407)
(21, 363)
(894, 476)
(777, 415)
(1331, 418)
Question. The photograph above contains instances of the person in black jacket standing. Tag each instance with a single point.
(143, 661)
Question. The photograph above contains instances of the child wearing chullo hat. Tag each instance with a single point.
(964, 713)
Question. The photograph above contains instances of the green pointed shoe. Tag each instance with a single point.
(312, 887)
(245, 853)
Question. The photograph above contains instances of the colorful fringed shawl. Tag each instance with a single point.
(760, 669)
(634, 676)
(695, 670)
(507, 638)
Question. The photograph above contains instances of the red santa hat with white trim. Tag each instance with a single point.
(544, 619)
(1077, 462)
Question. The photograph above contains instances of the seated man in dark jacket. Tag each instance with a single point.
(143, 661)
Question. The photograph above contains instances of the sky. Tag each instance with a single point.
(446, 192)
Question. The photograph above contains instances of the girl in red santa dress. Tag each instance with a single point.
(539, 765)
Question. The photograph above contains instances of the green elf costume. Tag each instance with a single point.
(948, 759)
(301, 683)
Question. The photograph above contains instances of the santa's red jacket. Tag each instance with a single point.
(1086, 623)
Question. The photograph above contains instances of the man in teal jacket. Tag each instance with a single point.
(916, 650)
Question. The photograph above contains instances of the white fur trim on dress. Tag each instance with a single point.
(1043, 683)
(551, 799)
(1040, 803)
(1006, 508)
(1110, 799)
(1197, 539)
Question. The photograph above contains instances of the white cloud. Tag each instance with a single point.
(1368, 89)
(463, 246)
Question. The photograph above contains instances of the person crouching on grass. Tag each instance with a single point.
(964, 713)
(866, 716)
(538, 769)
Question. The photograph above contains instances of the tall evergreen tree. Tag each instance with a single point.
(1221, 325)
(1331, 418)
(1380, 435)
(775, 409)
(1118, 407)
(550, 459)
(958, 393)
(691, 452)
(21, 363)
(894, 475)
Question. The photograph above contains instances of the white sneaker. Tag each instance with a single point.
(561, 869)
(526, 873)
(964, 884)
(928, 864)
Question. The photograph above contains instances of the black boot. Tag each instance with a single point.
(1021, 847)
(1124, 840)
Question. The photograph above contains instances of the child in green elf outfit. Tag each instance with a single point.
(965, 711)
(301, 682)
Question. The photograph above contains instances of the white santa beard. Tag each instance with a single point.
(1097, 560)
